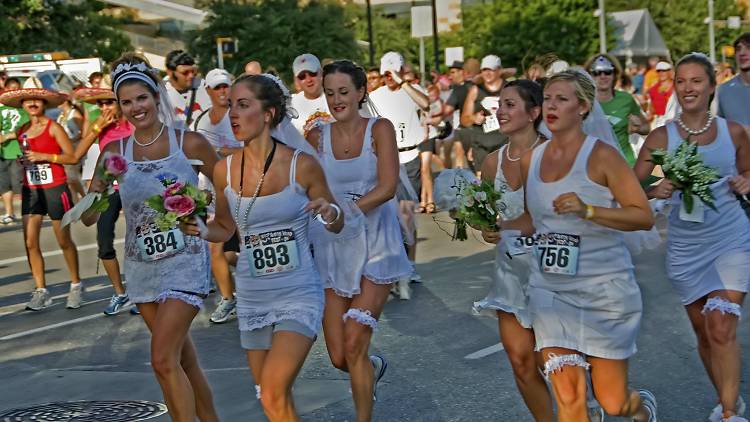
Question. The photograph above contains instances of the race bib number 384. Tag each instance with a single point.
(558, 253)
(154, 244)
(272, 252)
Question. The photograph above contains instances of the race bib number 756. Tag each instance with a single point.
(272, 252)
(558, 253)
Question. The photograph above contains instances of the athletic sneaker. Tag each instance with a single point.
(40, 299)
(718, 412)
(7, 219)
(75, 297)
(649, 402)
(404, 291)
(596, 414)
(226, 309)
(116, 304)
(380, 365)
(415, 277)
(134, 310)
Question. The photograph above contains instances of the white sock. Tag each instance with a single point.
(42, 289)
(75, 285)
(122, 295)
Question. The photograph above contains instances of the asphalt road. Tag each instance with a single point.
(445, 364)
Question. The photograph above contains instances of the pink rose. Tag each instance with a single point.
(115, 165)
(173, 189)
(181, 205)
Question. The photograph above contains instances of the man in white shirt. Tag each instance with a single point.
(310, 102)
(214, 124)
(187, 93)
(400, 102)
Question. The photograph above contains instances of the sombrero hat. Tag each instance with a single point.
(92, 95)
(32, 89)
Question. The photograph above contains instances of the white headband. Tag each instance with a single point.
(126, 71)
(290, 111)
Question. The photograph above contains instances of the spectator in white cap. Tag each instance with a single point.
(400, 102)
(214, 124)
(482, 134)
(659, 93)
(310, 102)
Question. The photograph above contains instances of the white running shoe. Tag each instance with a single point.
(718, 412)
(404, 291)
(40, 299)
(379, 365)
(75, 297)
(649, 402)
(226, 310)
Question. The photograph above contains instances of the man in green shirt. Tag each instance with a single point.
(623, 112)
(11, 119)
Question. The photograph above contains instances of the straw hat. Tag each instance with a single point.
(32, 89)
(92, 95)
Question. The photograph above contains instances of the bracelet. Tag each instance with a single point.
(54, 158)
(328, 223)
(96, 128)
(589, 212)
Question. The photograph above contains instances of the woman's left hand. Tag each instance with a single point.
(190, 228)
(569, 203)
(740, 184)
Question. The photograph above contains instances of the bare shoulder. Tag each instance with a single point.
(194, 140)
(383, 127)
(657, 138)
(737, 132)
(604, 151)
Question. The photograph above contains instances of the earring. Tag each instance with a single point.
(582, 113)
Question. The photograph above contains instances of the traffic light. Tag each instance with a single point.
(227, 45)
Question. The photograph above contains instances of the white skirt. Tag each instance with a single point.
(601, 320)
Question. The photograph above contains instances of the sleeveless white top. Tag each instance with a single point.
(602, 250)
(511, 205)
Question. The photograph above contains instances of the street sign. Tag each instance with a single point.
(454, 54)
(421, 21)
(734, 22)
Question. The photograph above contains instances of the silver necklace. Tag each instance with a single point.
(145, 144)
(695, 132)
(507, 150)
(254, 198)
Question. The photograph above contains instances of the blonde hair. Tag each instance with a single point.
(583, 84)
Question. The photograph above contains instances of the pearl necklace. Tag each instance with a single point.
(145, 144)
(507, 150)
(694, 132)
(254, 198)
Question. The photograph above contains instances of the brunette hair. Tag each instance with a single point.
(531, 94)
(268, 92)
(355, 72)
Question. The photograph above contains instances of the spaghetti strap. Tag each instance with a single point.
(182, 139)
(229, 171)
(367, 143)
(293, 168)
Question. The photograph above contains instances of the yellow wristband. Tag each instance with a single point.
(54, 158)
(96, 129)
(589, 212)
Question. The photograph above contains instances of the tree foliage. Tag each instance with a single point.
(28, 26)
(274, 32)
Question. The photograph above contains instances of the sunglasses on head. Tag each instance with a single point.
(306, 74)
(602, 72)
(104, 102)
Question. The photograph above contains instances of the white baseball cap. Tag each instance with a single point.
(491, 62)
(306, 62)
(663, 66)
(217, 77)
(391, 62)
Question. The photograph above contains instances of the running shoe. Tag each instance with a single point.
(380, 365)
(75, 297)
(649, 402)
(225, 311)
(734, 418)
(404, 291)
(134, 310)
(415, 277)
(40, 299)
(8, 219)
(596, 414)
(116, 304)
(718, 412)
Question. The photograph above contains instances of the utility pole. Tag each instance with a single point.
(602, 28)
(711, 35)
(435, 45)
(371, 46)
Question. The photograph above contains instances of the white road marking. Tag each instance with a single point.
(54, 253)
(479, 353)
(51, 327)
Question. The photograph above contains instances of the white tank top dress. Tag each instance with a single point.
(372, 245)
(276, 279)
(512, 257)
(160, 265)
(715, 254)
(582, 291)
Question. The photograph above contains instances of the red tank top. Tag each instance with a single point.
(659, 99)
(43, 175)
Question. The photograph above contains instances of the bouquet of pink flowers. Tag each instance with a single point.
(112, 167)
(179, 202)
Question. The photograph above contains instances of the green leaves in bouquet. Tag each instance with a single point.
(166, 221)
(101, 204)
(156, 203)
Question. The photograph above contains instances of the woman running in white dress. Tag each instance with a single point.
(168, 286)
(519, 114)
(708, 261)
(584, 303)
(360, 159)
(267, 192)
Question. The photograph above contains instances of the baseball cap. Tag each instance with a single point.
(601, 63)
(663, 66)
(306, 62)
(217, 77)
(391, 61)
(491, 62)
(457, 64)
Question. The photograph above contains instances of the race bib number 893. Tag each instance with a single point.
(272, 252)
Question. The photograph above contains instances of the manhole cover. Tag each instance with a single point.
(86, 411)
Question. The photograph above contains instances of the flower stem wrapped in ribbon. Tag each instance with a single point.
(112, 167)
(685, 168)
(180, 202)
(477, 207)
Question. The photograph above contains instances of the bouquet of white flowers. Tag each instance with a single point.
(685, 168)
(477, 207)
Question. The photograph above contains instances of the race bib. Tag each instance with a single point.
(519, 245)
(39, 174)
(272, 252)
(699, 210)
(490, 124)
(558, 253)
(154, 244)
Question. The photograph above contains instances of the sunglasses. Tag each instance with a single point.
(661, 71)
(104, 102)
(305, 74)
(602, 72)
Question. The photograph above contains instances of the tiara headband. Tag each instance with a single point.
(290, 111)
(127, 71)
